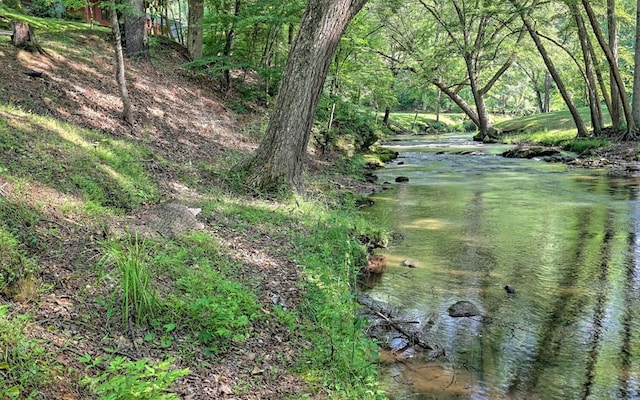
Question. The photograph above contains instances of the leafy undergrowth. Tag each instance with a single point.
(253, 303)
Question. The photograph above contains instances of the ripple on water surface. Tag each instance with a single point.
(566, 239)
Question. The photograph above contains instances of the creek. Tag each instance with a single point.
(472, 222)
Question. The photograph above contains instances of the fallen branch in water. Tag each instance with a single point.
(410, 331)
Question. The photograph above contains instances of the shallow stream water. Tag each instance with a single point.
(566, 238)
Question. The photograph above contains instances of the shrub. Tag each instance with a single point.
(140, 379)
(350, 125)
(47, 9)
(469, 126)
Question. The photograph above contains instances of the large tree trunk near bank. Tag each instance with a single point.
(127, 110)
(195, 31)
(279, 159)
(135, 30)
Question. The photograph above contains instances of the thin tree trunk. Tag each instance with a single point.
(582, 130)
(603, 85)
(127, 111)
(279, 159)
(590, 80)
(635, 105)
(167, 24)
(593, 20)
(228, 44)
(438, 105)
(614, 108)
(387, 112)
(547, 91)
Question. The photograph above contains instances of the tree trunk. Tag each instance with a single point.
(438, 105)
(387, 112)
(582, 130)
(613, 66)
(602, 84)
(614, 107)
(279, 159)
(228, 44)
(485, 130)
(635, 105)
(135, 30)
(460, 102)
(194, 28)
(547, 91)
(590, 79)
(24, 37)
(120, 76)
(538, 93)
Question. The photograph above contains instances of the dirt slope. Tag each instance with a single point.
(185, 121)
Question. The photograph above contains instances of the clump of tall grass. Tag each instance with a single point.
(138, 300)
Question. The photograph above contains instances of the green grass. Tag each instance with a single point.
(138, 298)
(51, 25)
(584, 145)
(205, 301)
(18, 237)
(25, 365)
(554, 128)
(341, 355)
(553, 137)
(105, 172)
(408, 119)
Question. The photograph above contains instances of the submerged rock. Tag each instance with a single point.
(464, 309)
(402, 179)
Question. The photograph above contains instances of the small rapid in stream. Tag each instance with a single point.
(565, 238)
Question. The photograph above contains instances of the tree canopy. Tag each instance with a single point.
(508, 57)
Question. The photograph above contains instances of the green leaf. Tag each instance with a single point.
(13, 392)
